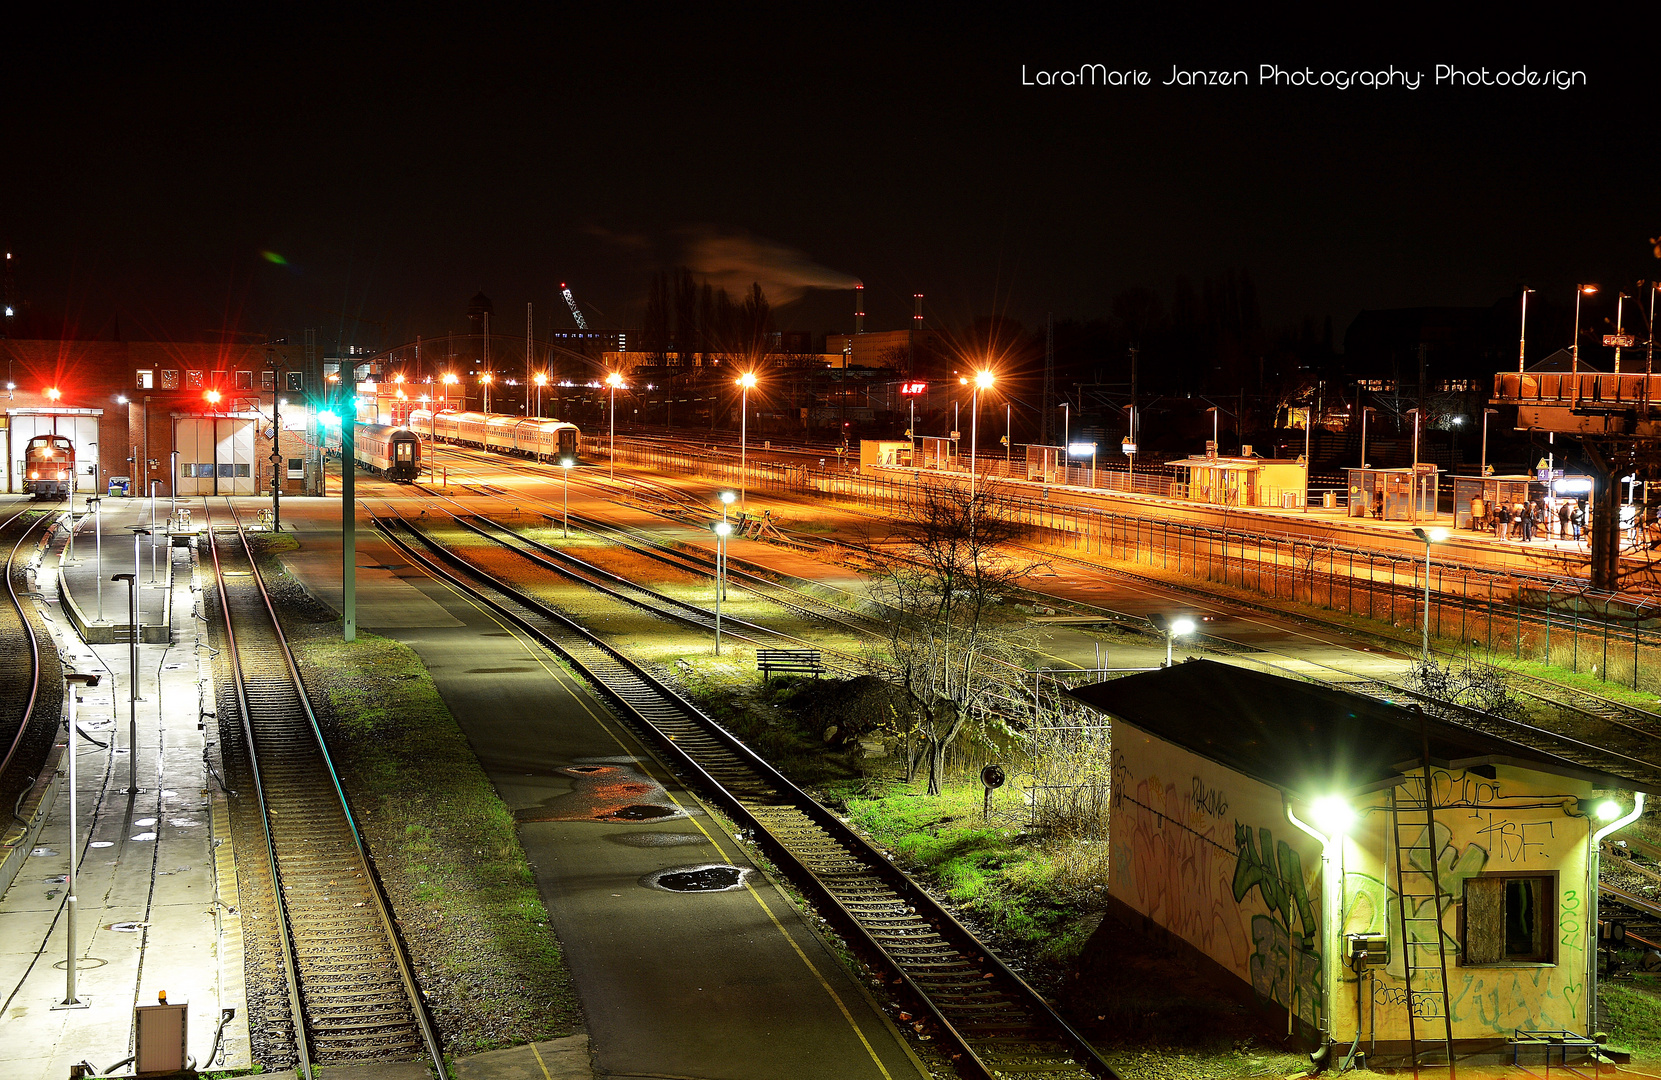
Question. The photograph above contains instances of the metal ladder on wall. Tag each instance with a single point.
(1433, 978)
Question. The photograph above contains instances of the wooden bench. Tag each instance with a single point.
(789, 662)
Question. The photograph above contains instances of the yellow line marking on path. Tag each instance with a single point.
(539, 1063)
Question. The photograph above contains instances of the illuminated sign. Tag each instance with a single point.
(913, 388)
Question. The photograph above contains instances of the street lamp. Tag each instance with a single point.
(745, 381)
(1365, 409)
(720, 556)
(132, 678)
(565, 469)
(1522, 333)
(1574, 348)
(723, 529)
(96, 503)
(1216, 428)
(541, 380)
(1486, 413)
(1429, 536)
(983, 381)
(614, 380)
(487, 380)
(76, 680)
(1415, 507)
(1173, 630)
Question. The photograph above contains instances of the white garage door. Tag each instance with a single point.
(216, 455)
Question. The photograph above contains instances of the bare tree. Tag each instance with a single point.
(945, 577)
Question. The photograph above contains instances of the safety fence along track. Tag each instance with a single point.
(980, 1012)
(349, 979)
(31, 683)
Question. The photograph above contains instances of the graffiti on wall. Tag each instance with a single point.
(1285, 966)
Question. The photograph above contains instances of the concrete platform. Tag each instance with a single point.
(154, 911)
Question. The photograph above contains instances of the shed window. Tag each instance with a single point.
(169, 379)
(1510, 920)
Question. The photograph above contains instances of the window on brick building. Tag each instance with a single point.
(193, 380)
(245, 380)
(268, 379)
(169, 379)
(146, 380)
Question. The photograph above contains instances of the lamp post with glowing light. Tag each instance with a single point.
(541, 380)
(1429, 536)
(745, 382)
(720, 554)
(75, 680)
(1486, 413)
(613, 381)
(565, 471)
(1365, 409)
(723, 529)
(486, 379)
(1574, 348)
(1174, 629)
(132, 670)
(983, 381)
(1522, 332)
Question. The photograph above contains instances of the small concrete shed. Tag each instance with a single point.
(1271, 829)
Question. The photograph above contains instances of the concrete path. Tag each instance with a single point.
(156, 901)
(730, 984)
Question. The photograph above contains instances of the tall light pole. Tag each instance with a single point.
(1522, 334)
(153, 484)
(1620, 300)
(1216, 428)
(565, 470)
(75, 681)
(541, 380)
(1429, 536)
(1574, 348)
(1415, 499)
(450, 379)
(1308, 478)
(486, 380)
(745, 381)
(1365, 409)
(96, 502)
(983, 381)
(720, 551)
(613, 381)
(723, 529)
(1486, 413)
(132, 679)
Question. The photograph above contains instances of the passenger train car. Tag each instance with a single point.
(544, 440)
(49, 467)
(394, 452)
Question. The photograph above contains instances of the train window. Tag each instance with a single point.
(193, 380)
(245, 380)
(169, 379)
(404, 451)
(268, 379)
(146, 379)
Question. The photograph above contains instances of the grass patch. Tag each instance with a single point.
(1632, 1012)
(1037, 897)
(444, 843)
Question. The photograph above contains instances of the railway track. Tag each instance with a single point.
(31, 682)
(351, 991)
(984, 1015)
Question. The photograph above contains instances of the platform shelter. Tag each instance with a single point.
(1242, 481)
(935, 452)
(1474, 497)
(1407, 494)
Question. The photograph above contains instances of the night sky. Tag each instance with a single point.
(399, 166)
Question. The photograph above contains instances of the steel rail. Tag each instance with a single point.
(999, 1025)
(341, 1004)
(22, 525)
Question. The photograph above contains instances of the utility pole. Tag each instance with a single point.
(349, 525)
(1048, 436)
(276, 444)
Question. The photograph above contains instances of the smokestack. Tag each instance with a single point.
(859, 309)
(917, 311)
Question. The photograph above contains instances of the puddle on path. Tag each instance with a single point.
(710, 877)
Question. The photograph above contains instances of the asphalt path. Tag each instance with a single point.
(729, 984)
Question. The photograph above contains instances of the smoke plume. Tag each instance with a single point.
(733, 260)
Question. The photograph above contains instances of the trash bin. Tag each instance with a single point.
(121, 485)
(1330, 500)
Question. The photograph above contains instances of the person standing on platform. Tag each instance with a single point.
(1502, 521)
(1565, 517)
(1525, 521)
(1577, 519)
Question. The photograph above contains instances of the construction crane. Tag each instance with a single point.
(571, 302)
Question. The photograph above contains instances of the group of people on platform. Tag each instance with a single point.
(1545, 519)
